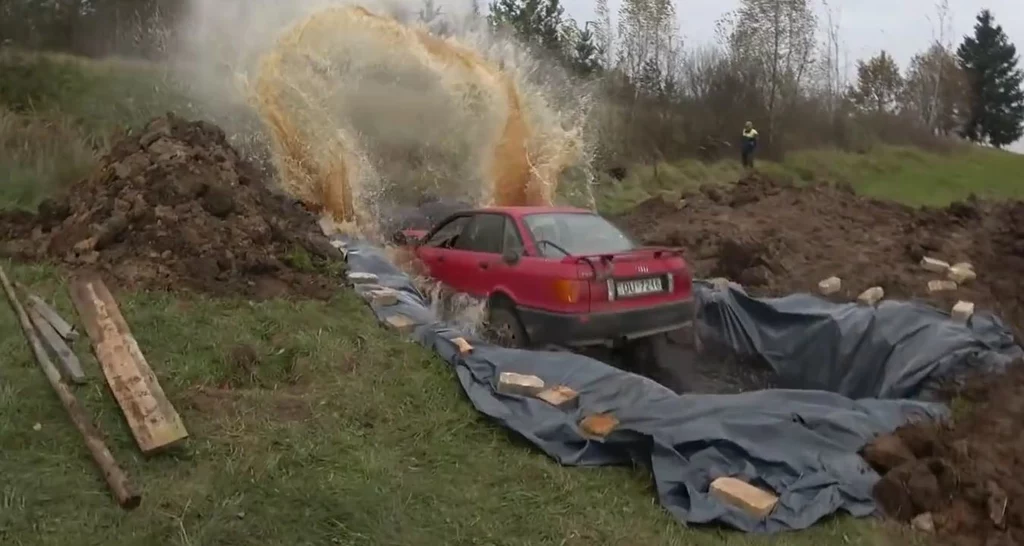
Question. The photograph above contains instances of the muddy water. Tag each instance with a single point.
(362, 109)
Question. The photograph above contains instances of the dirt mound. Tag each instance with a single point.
(177, 207)
(968, 475)
(777, 239)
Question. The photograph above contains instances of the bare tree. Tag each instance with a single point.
(779, 37)
(936, 90)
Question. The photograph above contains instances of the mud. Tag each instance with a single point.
(175, 208)
(777, 239)
(968, 473)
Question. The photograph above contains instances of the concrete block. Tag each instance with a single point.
(871, 296)
(962, 311)
(559, 396)
(383, 296)
(960, 274)
(752, 500)
(599, 425)
(401, 323)
(934, 265)
(830, 285)
(521, 384)
(464, 347)
(941, 286)
(356, 277)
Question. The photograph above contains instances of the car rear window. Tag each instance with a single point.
(576, 233)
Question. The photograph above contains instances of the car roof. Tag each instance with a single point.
(524, 211)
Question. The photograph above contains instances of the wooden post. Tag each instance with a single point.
(116, 478)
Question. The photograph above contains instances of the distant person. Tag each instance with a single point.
(749, 144)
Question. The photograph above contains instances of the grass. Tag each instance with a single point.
(905, 174)
(309, 423)
(342, 434)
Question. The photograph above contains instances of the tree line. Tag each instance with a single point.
(774, 62)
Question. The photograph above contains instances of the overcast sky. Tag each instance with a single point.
(901, 27)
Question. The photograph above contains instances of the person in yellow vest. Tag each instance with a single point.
(749, 144)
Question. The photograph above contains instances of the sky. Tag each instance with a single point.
(901, 27)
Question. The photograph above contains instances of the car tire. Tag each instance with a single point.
(504, 327)
(652, 358)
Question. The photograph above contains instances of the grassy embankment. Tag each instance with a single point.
(343, 434)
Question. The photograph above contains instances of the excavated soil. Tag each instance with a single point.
(178, 208)
(777, 239)
(964, 480)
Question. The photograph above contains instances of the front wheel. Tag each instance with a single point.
(504, 328)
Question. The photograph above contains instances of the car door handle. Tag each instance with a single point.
(440, 259)
(484, 265)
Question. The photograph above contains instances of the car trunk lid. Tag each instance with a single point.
(636, 278)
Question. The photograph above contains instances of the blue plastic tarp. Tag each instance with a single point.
(801, 444)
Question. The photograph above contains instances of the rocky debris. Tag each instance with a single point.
(965, 475)
(788, 238)
(177, 208)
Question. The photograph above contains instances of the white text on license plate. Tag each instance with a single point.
(638, 287)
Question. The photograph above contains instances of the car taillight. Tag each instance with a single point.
(567, 291)
(611, 289)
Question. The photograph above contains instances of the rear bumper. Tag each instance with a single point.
(581, 330)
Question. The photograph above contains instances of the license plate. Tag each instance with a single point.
(639, 287)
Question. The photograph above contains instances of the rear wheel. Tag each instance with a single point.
(503, 326)
(652, 357)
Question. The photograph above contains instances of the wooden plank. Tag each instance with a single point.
(71, 368)
(126, 495)
(61, 326)
(154, 421)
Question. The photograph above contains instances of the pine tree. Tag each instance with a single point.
(535, 22)
(996, 113)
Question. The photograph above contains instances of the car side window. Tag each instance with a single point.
(448, 234)
(483, 234)
(511, 238)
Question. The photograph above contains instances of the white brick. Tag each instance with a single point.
(752, 500)
(962, 311)
(383, 296)
(362, 278)
(941, 286)
(464, 347)
(401, 323)
(934, 265)
(960, 274)
(871, 296)
(521, 384)
(830, 285)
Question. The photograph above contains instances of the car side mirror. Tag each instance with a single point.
(510, 256)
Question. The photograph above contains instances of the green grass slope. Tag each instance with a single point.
(905, 174)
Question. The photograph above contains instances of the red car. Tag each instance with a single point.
(558, 276)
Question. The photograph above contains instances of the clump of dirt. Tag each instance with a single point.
(775, 239)
(177, 208)
(966, 474)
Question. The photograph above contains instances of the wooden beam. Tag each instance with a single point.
(116, 478)
(71, 368)
(51, 316)
(155, 423)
